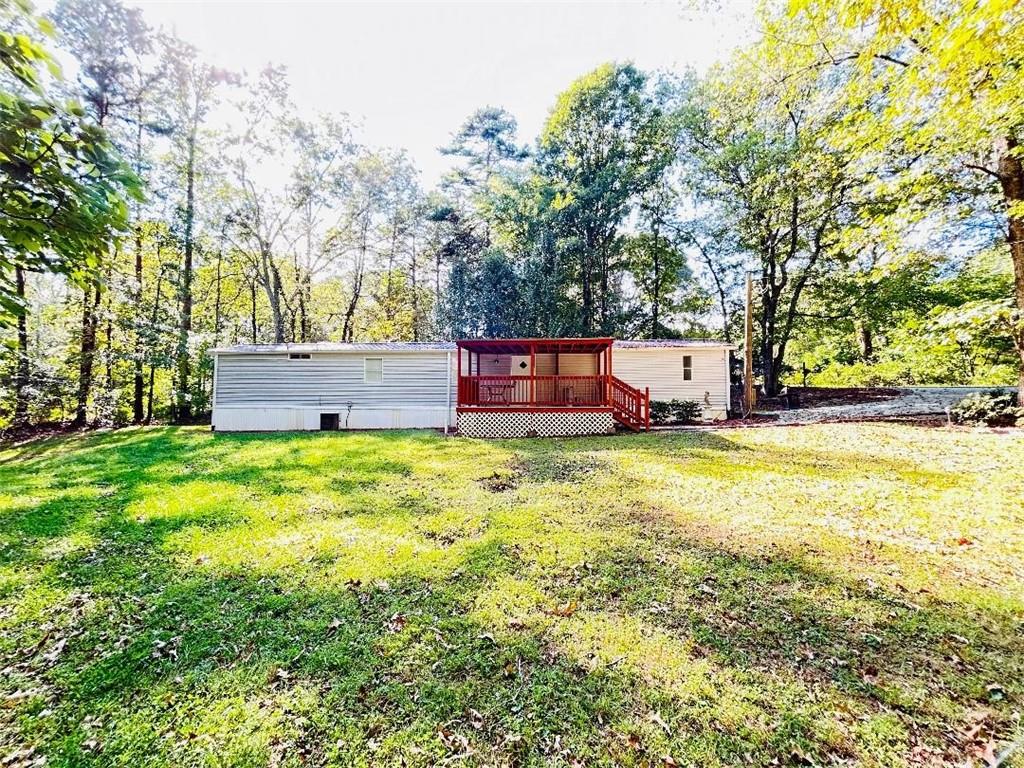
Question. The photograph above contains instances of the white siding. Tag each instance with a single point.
(335, 379)
(661, 369)
(269, 392)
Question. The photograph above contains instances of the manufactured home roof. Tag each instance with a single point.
(441, 346)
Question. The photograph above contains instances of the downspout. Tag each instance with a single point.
(213, 394)
(448, 394)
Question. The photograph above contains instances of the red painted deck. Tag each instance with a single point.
(528, 391)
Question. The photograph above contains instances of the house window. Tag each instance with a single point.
(298, 356)
(373, 370)
(687, 367)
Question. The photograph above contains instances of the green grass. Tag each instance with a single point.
(837, 594)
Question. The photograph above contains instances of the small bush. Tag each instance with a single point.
(661, 411)
(685, 411)
(994, 409)
(675, 411)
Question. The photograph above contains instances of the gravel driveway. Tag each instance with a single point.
(911, 401)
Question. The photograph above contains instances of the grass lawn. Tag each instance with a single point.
(825, 595)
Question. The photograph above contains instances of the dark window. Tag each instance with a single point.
(328, 422)
(298, 356)
(687, 367)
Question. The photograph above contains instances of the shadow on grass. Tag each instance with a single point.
(656, 644)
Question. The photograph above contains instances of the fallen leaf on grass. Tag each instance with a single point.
(656, 718)
(565, 610)
(57, 649)
(455, 742)
(396, 623)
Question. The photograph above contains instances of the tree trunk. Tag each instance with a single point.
(252, 309)
(87, 351)
(348, 328)
(415, 297)
(276, 290)
(864, 336)
(153, 321)
(769, 310)
(588, 298)
(183, 406)
(21, 371)
(217, 302)
(108, 357)
(140, 351)
(1011, 178)
(138, 381)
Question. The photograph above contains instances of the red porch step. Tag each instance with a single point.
(630, 406)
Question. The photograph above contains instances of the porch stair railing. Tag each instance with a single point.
(631, 407)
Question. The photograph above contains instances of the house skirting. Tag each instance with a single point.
(307, 418)
(505, 422)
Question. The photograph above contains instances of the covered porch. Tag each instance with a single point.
(551, 376)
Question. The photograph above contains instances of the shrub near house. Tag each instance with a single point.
(675, 411)
(993, 409)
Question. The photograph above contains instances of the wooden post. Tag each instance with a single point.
(458, 376)
(647, 409)
(749, 395)
(608, 375)
(533, 373)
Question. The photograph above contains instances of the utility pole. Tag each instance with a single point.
(749, 395)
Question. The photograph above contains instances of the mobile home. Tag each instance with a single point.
(483, 387)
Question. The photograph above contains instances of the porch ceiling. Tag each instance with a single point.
(538, 346)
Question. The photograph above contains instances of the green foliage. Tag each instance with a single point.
(910, 321)
(63, 188)
(661, 411)
(606, 142)
(935, 99)
(685, 411)
(994, 409)
(675, 411)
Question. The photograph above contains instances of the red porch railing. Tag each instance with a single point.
(629, 405)
(495, 391)
(526, 391)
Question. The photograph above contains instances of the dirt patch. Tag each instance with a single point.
(500, 482)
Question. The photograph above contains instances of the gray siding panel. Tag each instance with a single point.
(331, 379)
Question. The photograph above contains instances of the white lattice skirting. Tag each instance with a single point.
(538, 424)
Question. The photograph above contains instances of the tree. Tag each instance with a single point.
(758, 155)
(486, 143)
(659, 270)
(499, 297)
(605, 143)
(193, 89)
(110, 42)
(941, 85)
(63, 187)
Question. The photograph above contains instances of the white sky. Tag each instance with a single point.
(412, 72)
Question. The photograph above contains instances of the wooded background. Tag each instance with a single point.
(861, 160)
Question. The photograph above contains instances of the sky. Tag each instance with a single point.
(411, 72)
